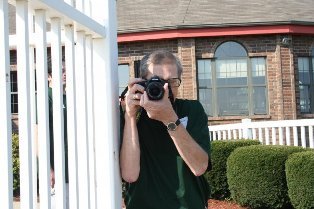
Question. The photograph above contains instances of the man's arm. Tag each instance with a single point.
(52, 173)
(130, 148)
(36, 139)
(130, 151)
(191, 152)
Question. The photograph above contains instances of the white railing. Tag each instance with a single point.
(283, 132)
(88, 33)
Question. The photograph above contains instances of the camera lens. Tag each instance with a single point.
(155, 91)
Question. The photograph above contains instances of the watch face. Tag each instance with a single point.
(172, 126)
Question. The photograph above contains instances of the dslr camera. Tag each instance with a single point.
(154, 88)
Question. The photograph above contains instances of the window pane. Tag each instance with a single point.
(204, 73)
(232, 101)
(205, 98)
(259, 100)
(13, 81)
(14, 103)
(305, 74)
(12, 57)
(313, 66)
(258, 70)
(14, 95)
(123, 73)
(304, 71)
(304, 98)
(230, 49)
(231, 72)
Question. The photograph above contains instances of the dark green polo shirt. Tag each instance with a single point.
(165, 181)
(51, 133)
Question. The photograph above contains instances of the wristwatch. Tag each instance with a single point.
(172, 126)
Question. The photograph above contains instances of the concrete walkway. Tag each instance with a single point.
(16, 205)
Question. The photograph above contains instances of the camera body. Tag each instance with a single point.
(154, 88)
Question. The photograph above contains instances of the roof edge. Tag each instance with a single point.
(222, 25)
(170, 33)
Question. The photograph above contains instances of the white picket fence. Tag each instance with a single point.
(87, 30)
(281, 132)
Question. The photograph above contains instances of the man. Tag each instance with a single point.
(165, 147)
(51, 136)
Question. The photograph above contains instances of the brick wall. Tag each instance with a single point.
(130, 52)
(281, 64)
(186, 53)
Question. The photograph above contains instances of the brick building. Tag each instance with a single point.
(241, 59)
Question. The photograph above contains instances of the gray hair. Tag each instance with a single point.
(158, 58)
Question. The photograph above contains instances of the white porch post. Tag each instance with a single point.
(6, 181)
(25, 148)
(106, 108)
(58, 122)
(71, 116)
(246, 131)
(42, 108)
(90, 118)
(81, 121)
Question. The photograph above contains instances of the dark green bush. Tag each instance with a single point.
(256, 176)
(217, 177)
(300, 179)
(16, 164)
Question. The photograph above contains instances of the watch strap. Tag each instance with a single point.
(172, 126)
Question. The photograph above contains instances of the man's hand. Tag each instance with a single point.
(161, 110)
(52, 178)
(132, 99)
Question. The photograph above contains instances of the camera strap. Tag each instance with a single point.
(171, 96)
(122, 96)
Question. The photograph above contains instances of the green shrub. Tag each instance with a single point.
(256, 176)
(300, 179)
(217, 177)
(16, 164)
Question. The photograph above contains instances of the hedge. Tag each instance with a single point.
(256, 176)
(300, 179)
(16, 164)
(217, 177)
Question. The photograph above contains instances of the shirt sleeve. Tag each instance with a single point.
(198, 125)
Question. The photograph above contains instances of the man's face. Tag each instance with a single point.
(166, 71)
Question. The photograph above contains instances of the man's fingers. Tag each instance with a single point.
(143, 98)
(136, 96)
(133, 82)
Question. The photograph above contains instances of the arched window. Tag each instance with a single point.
(230, 49)
(232, 83)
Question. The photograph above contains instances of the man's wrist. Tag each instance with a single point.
(172, 122)
(129, 117)
(173, 125)
(170, 119)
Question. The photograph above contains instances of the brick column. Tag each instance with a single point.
(281, 79)
(275, 96)
(288, 83)
(186, 53)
